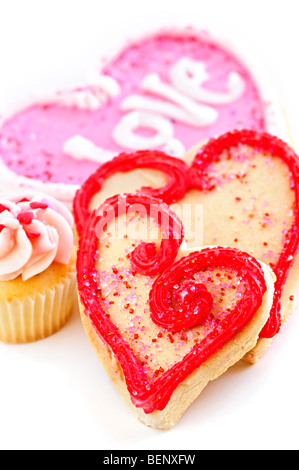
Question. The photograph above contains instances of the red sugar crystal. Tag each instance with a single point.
(158, 371)
(170, 337)
(3, 208)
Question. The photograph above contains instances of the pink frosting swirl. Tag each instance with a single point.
(35, 231)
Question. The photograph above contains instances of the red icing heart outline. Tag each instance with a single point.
(176, 188)
(181, 178)
(154, 394)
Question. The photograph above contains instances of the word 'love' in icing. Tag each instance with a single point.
(182, 101)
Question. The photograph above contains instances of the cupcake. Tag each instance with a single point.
(165, 91)
(37, 266)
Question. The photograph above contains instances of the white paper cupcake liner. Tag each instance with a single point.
(31, 319)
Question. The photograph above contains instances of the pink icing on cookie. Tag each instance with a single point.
(168, 91)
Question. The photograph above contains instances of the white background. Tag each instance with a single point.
(54, 393)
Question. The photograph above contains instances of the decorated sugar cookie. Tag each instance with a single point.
(248, 183)
(239, 190)
(165, 92)
(164, 321)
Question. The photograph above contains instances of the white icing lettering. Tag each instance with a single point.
(184, 99)
(178, 103)
(184, 110)
(125, 136)
(188, 76)
(81, 148)
(175, 148)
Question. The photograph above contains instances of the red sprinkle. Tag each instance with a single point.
(23, 200)
(31, 234)
(3, 208)
(170, 337)
(25, 218)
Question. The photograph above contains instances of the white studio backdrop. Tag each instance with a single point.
(54, 393)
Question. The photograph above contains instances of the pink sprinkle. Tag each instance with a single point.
(25, 218)
(38, 205)
(2, 227)
(3, 208)
(33, 234)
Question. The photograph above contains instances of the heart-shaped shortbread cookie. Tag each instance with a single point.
(246, 185)
(167, 91)
(162, 320)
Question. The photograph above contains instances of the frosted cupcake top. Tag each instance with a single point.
(35, 231)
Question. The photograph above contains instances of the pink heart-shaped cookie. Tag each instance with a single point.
(164, 321)
(167, 91)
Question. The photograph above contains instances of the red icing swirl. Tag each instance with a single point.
(199, 175)
(175, 189)
(193, 301)
(177, 306)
